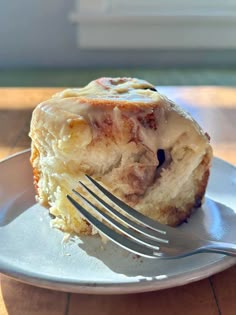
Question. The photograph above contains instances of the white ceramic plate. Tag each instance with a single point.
(32, 252)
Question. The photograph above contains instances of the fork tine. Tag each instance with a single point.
(115, 237)
(120, 227)
(165, 251)
(141, 229)
(179, 244)
(148, 222)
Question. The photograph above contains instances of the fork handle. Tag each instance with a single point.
(221, 248)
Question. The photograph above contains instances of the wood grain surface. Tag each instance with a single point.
(215, 109)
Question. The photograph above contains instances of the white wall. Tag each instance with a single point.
(37, 33)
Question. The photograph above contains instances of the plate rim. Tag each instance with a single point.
(89, 287)
(124, 287)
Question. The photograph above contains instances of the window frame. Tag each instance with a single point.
(119, 24)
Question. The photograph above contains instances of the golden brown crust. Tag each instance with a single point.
(36, 175)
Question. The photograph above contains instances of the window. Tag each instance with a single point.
(153, 24)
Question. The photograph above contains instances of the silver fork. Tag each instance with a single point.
(140, 234)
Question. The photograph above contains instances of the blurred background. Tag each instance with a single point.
(70, 42)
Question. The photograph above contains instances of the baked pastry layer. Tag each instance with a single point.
(135, 141)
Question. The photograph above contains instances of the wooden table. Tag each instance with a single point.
(215, 109)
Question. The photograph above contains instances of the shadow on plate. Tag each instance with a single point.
(15, 206)
(119, 260)
(213, 221)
